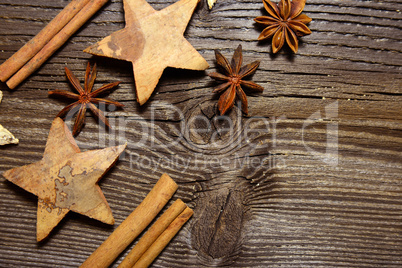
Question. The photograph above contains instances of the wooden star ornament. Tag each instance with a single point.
(152, 40)
(5, 136)
(66, 179)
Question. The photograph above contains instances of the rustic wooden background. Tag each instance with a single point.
(312, 178)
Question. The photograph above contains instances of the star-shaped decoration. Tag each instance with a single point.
(152, 40)
(5, 136)
(284, 23)
(66, 179)
(233, 77)
(86, 98)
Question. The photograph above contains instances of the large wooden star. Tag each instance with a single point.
(66, 179)
(152, 40)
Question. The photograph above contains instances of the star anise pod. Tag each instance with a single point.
(85, 98)
(233, 75)
(286, 23)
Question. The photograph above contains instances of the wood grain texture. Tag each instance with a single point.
(312, 178)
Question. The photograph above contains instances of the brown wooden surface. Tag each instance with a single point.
(271, 201)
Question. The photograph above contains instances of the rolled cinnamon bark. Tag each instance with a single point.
(153, 251)
(24, 54)
(153, 233)
(56, 42)
(134, 224)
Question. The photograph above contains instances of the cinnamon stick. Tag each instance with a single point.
(24, 54)
(153, 251)
(56, 42)
(134, 224)
(153, 233)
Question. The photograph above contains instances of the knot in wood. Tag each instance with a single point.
(218, 229)
(207, 130)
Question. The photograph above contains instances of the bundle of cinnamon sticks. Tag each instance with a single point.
(34, 53)
(155, 239)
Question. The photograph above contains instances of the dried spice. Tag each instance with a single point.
(32, 55)
(233, 77)
(158, 236)
(134, 224)
(152, 41)
(85, 98)
(286, 23)
(66, 179)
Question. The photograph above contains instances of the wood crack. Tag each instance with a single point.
(218, 225)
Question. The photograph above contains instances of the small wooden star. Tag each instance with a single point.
(66, 179)
(152, 40)
(5, 136)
